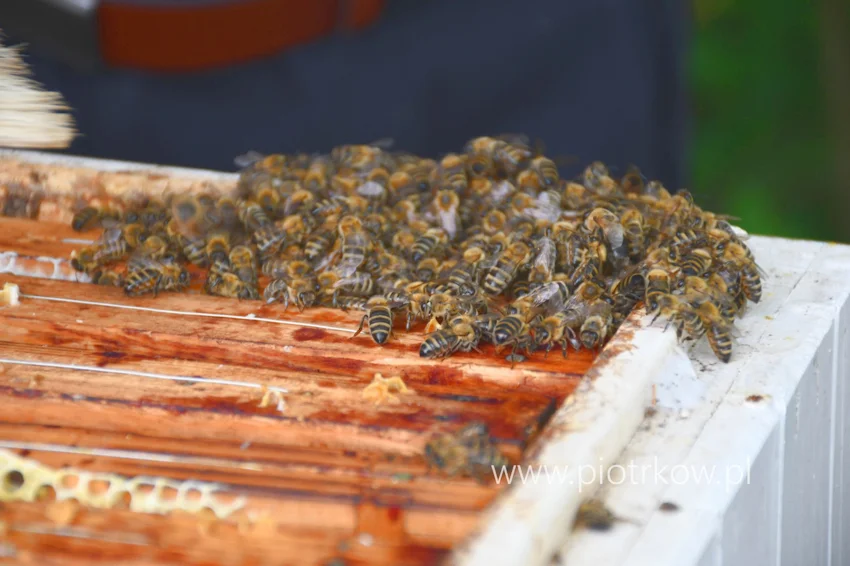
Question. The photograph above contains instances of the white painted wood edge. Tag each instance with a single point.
(527, 523)
(113, 166)
(737, 432)
(690, 389)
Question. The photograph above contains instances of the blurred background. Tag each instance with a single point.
(744, 103)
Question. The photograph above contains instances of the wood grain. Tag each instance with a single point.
(171, 387)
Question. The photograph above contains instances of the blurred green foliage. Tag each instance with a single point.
(762, 151)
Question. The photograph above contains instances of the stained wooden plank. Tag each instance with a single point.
(330, 460)
(383, 490)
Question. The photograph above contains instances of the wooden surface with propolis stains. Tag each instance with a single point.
(171, 386)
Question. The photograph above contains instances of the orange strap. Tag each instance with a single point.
(191, 38)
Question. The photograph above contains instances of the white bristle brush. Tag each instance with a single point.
(30, 117)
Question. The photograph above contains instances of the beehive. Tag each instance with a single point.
(258, 413)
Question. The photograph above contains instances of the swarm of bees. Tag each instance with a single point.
(488, 245)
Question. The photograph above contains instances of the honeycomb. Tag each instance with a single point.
(24, 479)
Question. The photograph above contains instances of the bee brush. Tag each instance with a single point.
(30, 117)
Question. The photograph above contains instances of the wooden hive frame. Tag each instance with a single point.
(265, 408)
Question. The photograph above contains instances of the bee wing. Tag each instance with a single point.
(371, 189)
(615, 233)
(520, 140)
(247, 159)
(500, 191)
(543, 293)
(546, 254)
(544, 212)
(449, 220)
(382, 143)
(353, 279)
(738, 232)
(110, 235)
(290, 205)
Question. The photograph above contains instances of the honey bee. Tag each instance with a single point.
(553, 296)
(555, 330)
(274, 164)
(374, 192)
(634, 231)
(513, 330)
(597, 325)
(217, 249)
(427, 269)
(418, 308)
(115, 243)
(192, 247)
(269, 240)
(470, 452)
(428, 243)
(632, 182)
(544, 261)
(483, 155)
(465, 272)
(607, 222)
(697, 262)
(83, 260)
(299, 291)
(514, 154)
(154, 216)
(227, 284)
(593, 515)
(318, 175)
(355, 245)
(655, 191)
(594, 174)
(657, 284)
(243, 262)
(379, 318)
(494, 221)
(92, 217)
(267, 197)
(415, 179)
(451, 173)
(225, 216)
(699, 287)
(151, 276)
(575, 196)
(503, 272)
(717, 330)
(446, 205)
(108, 277)
(439, 344)
(321, 240)
(738, 255)
(545, 170)
(443, 306)
(360, 157)
(732, 282)
(357, 285)
(466, 331)
(346, 304)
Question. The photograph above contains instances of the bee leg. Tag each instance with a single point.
(407, 324)
(564, 347)
(548, 349)
(360, 327)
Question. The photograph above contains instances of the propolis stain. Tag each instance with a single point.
(308, 333)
